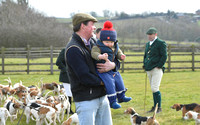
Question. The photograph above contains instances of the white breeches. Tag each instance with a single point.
(155, 76)
(67, 87)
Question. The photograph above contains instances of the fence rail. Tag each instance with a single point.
(35, 59)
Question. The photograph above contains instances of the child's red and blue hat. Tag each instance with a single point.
(108, 33)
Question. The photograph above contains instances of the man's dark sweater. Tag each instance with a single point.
(85, 83)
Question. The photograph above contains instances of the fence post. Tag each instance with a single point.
(169, 57)
(51, 59)
(28, 58)
(193, 49)
(123, 52)
(3, 56)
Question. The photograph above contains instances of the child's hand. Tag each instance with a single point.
(123, 57)
(103, 56)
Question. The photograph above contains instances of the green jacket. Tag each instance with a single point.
(155, 55)
(60, 62)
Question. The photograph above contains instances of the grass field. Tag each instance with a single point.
(176, 87)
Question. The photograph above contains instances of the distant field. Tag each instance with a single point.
(176, 87)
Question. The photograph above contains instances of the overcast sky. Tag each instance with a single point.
(63, 8)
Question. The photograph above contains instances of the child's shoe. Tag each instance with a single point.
(115, 105)
(125, 99)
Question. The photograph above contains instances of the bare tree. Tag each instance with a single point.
(107, 13)
(94, 14)
(22, 25)
(22, 2)
(72, 14)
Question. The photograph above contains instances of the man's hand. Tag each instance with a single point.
(107, 66)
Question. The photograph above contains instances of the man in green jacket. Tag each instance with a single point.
(154, 59)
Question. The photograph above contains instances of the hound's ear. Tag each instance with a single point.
(55, 84)
(17, 89)
(53, 105)
(189, 115)
(198, 116)
(66, 97)
(178, 107)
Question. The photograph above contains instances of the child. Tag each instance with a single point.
(107, 48)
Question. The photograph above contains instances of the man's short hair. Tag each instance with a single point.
(77, 27)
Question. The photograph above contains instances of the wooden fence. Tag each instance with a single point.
(39, 60)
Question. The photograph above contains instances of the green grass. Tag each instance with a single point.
(176, 87)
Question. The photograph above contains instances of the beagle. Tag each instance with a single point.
(5, 91)
(136, 119)
(4, 114)
(42, 113)
(19, 90)
(186, 107)
(193, 115)
(31, 105)
(33, 94)
(62, 106)
(72, 119)
(13, 106)
(50, 86)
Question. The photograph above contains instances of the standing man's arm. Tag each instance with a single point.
(77, 61)
(163, 53)
(144, 56)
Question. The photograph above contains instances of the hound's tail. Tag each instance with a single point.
(9, 81)
(154, 115)
(41, 84)
(33, 118)
(46, 95)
